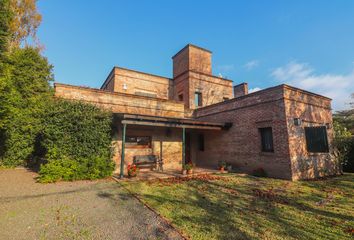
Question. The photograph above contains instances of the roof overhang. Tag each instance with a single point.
(132, 119)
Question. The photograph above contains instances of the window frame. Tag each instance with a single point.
(198, 99)
(311, 147)
(131, 144)
(264, 143)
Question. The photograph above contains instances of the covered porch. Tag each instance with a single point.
(172, 142)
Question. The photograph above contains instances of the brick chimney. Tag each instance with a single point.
(240, 90)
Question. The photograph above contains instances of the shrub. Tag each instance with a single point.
(345, 152)
(76, 141)
(222, 164)
(344, 146)
(188, 166)
(259, 172)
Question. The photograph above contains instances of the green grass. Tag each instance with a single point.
(234, 206)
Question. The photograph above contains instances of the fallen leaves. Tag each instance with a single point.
(180, 180)
(270, 195)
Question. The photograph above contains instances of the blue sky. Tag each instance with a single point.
(308, 44)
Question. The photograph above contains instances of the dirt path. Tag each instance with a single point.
(73, 210)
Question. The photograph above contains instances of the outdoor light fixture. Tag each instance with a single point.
(125, 86)
(297, 121)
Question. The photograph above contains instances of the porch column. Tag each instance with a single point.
(183, 146)
(123, 151)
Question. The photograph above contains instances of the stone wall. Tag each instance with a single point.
(167, 144)
(122, 103)
(312, 110)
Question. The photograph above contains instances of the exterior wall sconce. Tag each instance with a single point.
(125, 86)
(297, 122)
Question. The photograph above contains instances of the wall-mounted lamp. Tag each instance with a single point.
(297, 121)
(125, 86)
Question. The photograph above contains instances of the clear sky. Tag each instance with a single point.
(304, 43)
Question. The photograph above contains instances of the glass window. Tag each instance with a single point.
(138, 141)
(198, 99)
(316, 139)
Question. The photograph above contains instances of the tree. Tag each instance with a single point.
(5, 20)
(25, 92)
(24, 23)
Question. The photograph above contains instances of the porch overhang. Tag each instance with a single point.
(143, 120)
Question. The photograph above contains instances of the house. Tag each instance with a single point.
(201, 118)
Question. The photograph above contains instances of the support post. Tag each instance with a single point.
(123, 151)
(183, 146)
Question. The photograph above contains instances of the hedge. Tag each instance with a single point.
(76, 142)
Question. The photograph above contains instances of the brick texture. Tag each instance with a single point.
(129, 91)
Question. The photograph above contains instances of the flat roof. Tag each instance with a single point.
(191, 45)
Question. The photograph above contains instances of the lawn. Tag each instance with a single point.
(234, 206)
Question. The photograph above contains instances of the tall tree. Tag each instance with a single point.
(25, 22)
(5, 20)
(23, 103)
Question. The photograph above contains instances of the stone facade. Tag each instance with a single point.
(194, 93)
(165, 143)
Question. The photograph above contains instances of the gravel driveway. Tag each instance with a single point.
(73, 210)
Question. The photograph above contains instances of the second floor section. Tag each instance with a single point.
(192, 82)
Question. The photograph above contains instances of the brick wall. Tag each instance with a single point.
(122, 103)
(274, 107)
(134, 82)
(192, 73)
(192, 58)
(241, 144)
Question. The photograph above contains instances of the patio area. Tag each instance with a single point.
(154, 174)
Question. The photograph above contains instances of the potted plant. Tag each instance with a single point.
(222, 165)
(184, 170)
(189, 168)
(229, 168)
(132, 170)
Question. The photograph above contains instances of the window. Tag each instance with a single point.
(267, 139)
(198, 99)
(138, 142)
(316, 139)
(225, 98)
(201, 142)
(180, 97)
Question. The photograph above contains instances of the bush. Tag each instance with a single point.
(344, 146)
(345, 152)
(76, 142)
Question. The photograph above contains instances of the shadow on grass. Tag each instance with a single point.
(233, 211)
